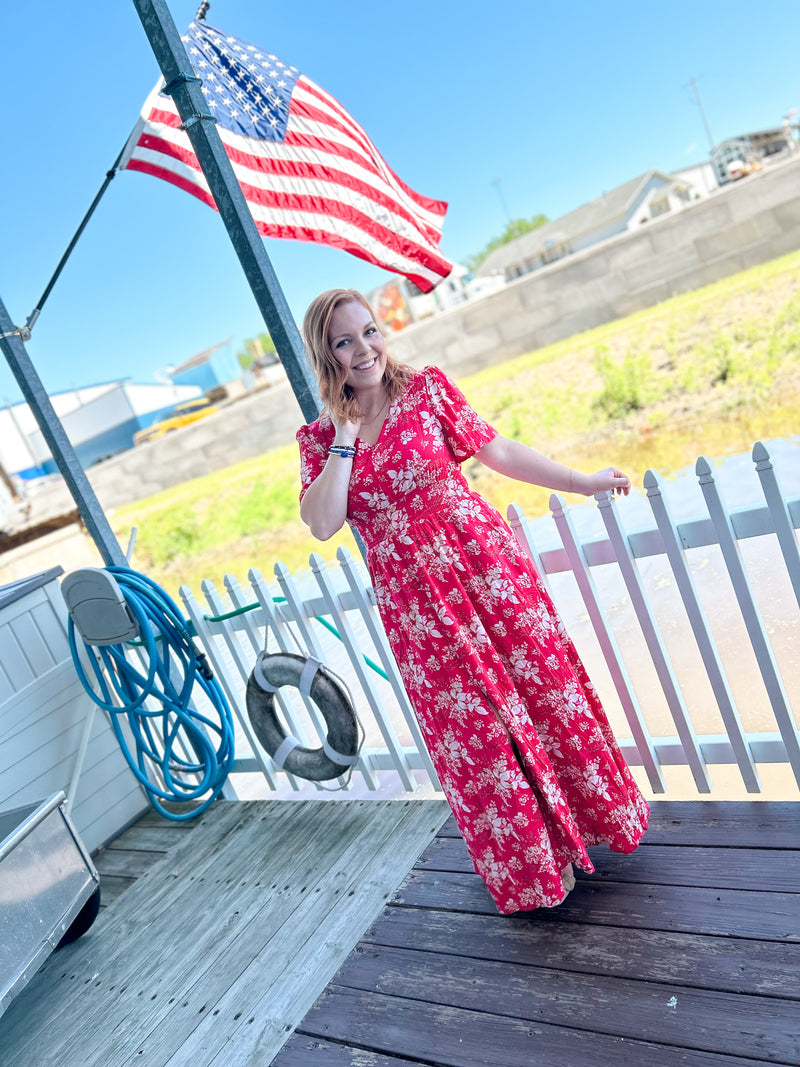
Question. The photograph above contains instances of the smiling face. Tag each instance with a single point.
(357, 345)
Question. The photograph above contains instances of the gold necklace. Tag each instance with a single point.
(366, 422)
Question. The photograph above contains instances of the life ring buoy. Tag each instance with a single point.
(339, 751)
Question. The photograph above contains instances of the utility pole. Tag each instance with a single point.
(698, 101)
(496, 184)
(184, 87)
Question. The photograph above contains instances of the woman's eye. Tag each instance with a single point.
(341, 344)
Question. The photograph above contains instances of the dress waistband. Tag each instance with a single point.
(440, 496)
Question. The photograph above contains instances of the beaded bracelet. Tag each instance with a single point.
(345, 451)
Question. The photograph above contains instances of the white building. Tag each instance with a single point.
(100, 420)
(748, 153)
(398, 303)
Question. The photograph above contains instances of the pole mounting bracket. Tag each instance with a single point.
(179, 79)
(23, 332)
(192, 119)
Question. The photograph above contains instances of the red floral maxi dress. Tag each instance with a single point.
(516, 732)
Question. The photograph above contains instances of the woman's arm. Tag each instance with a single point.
(324, 505)
(518, 461)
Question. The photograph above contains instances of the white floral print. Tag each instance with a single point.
(518, 737)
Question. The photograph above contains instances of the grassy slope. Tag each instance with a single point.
(706, 373)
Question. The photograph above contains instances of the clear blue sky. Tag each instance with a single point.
(559, 101)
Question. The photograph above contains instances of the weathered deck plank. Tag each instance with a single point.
(174, 965)
(667, 1013)
(719, 868)
(727, 912)
(126, 863)
(738, 966)
(758, 824)
(143, 845)
(429, 1033)
(311, 1052)
(683, 954)
(285, 995)
(150, 838)
(113, 888)
(262, 983)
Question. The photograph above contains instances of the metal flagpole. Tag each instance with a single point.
(59, 444)
(25, 331)
(183, 85)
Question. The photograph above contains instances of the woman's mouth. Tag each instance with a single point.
(368, 365)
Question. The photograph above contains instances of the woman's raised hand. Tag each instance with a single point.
(609, 479)
(347, 432)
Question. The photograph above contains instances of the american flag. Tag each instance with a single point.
(307, 169)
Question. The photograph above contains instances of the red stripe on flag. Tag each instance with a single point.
(316, 143)
(293, 170)
(273, 199)
(336, 240)
(436, 207)
(173, 178)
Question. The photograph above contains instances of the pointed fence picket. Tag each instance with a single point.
(751, 615)
(624, 556)
(702, 632)
(785, 514)
(233, 635)
(362, 594)
(578, 563)
(300, 612)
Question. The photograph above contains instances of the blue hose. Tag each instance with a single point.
(170, 675)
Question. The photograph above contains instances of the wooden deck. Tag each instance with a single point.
(685, 954)
(216, 951)
(135, 851)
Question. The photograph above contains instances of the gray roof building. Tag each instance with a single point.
(628, 206)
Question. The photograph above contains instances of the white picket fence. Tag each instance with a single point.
(645, 636)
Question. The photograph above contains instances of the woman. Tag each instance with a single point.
(518, 737)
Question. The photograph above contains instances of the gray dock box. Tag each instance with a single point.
(46, 878)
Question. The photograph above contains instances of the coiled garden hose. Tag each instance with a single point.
(181, 755)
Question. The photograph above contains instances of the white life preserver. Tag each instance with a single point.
(339, 750)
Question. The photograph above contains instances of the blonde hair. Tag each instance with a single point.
(339, 399)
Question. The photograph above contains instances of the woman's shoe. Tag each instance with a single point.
(568, 878)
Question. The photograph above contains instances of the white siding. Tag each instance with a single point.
(146, 398)
(43, 709)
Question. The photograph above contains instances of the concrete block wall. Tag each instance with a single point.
(750, 222)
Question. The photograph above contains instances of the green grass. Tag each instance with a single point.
(709, 373)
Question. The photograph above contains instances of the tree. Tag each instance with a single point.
(256, 348)
(515, 228)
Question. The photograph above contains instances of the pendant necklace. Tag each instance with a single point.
(367, 422)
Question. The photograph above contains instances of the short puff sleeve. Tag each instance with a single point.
(463, 428)
(314, 439)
